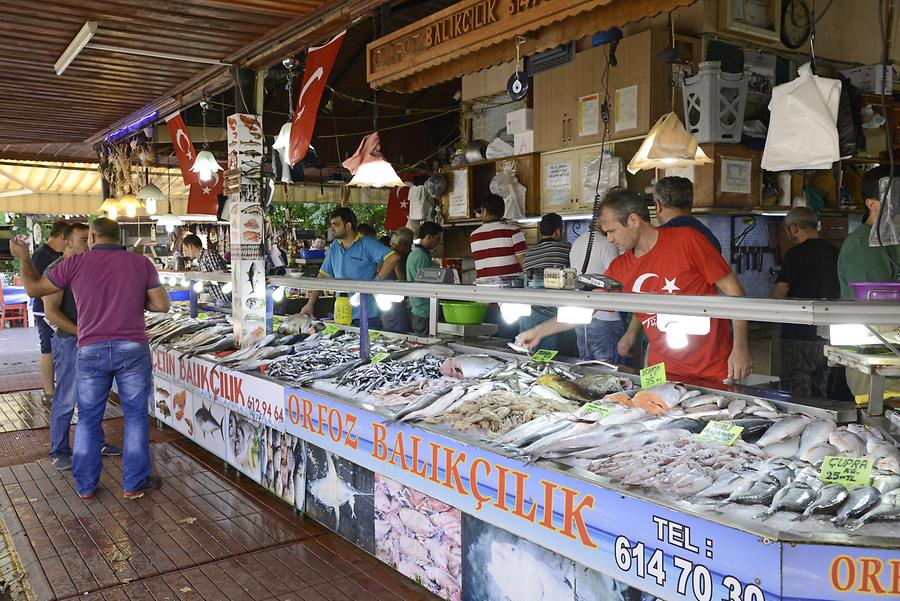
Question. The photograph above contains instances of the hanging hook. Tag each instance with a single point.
(520, 39)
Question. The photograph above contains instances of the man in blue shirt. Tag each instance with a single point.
(674, 198)
(353, 256)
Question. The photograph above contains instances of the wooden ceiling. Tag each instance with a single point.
(45, 115)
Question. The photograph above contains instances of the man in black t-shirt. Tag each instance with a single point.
(47, 253)
(808, 270)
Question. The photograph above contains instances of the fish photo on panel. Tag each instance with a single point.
(591, 585)
(244, 445)
(208, 423)
(500, 566)
(339, 496)
(283, 465)
(419, 536)
(162, 400)
(182, 407)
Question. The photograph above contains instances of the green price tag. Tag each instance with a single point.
(330, 330)
(603, 410)
(202, 315)
(653, 376)
(379, 357)
(849, 471)
(373, 335)
(544, 356)
(723, 433)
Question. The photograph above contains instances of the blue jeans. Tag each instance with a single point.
(65, 351)
(598, 340)
(129, 363)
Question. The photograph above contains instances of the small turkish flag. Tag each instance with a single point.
(204, 196)
(319, 62)
(397, 208)
(184, 148)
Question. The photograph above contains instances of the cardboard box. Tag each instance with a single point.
(870, 78)
(733, 180)
(523, 142)
(519, 121)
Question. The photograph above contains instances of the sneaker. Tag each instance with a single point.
(151, 483)
(110, 450)
(61, 462)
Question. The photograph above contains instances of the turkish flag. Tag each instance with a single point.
(184, 148)
(397, 208)
(204, 196)
(319, 62)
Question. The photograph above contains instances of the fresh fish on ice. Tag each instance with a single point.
(859, 501)
(787, 427)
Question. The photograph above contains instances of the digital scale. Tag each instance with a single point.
(437, 275)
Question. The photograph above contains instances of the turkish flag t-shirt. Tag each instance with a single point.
(682, 261)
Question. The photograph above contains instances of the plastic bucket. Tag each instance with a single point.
(464, 313)
(876, 290)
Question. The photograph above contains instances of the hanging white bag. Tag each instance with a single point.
(802, 130)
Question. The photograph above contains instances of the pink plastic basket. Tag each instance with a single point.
(876, 290)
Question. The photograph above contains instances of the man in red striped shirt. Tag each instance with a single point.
(497, 247)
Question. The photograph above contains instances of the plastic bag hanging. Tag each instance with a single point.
(887, 228)
(506, 185)
(803, 128)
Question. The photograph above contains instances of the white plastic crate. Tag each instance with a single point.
(714, 104)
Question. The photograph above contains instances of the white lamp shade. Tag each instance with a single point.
(376, 174)
(169, 221)
(205, 165)
(110, 206)
(130, 205)
(151, 192)
(668, 145)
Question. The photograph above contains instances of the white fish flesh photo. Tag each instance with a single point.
(499, 566)
(244, 445)
(339, 495)
(284, 466)
(419, 536)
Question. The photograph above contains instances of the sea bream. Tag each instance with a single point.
(796, 497)
(828, 499)
(788, 427)
(886, 510)
(858, 502)
(333, 492)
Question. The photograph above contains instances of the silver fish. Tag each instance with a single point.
(795, 497)
(847, 442)
(760, 493)
(816, 432)
(816, 453)
(828, 499)
(788, 427)
(886, 510)
(858, 502)
(885, 482)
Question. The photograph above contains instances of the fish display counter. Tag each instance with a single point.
(485, 475)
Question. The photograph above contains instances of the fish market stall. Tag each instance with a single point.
(479, 472)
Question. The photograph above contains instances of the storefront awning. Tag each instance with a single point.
(473, 35)
(68, 188)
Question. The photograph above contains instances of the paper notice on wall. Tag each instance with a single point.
(626, 108)
(589, 115)
(459, 195)
(735, 177)
(686, 172)
(559, 182)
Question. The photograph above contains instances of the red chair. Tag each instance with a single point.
(17, 312)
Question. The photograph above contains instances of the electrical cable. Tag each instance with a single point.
(604, 114)
(886, 195)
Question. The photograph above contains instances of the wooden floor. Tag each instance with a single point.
(206, 534)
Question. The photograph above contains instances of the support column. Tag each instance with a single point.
(248, 267)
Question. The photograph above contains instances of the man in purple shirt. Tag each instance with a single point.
(112, 288)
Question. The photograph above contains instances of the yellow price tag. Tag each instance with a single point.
(544, 356)
(653, 376)
(723, 433)
(330, 330)
(849, 471)
(379, 357)
(592, 407)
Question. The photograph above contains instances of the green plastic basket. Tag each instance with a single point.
(464, 313)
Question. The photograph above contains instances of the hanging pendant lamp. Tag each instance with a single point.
(110, 206)
(205, 165)
(668, 145)
(130, 205)
(369, 167)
